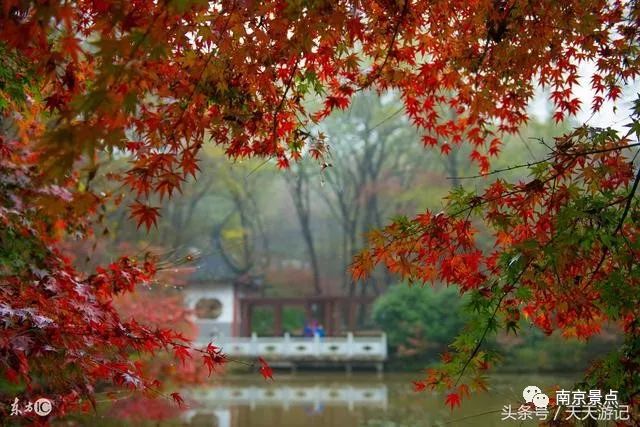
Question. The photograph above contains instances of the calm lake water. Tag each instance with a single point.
(333, 399)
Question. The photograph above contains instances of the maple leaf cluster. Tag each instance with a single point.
(158, 79)
(565, 245)
(61, 334)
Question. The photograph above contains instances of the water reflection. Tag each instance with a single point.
(312, 399)
(287, 396)
(328, 400)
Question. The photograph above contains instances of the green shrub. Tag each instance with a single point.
(419, 321)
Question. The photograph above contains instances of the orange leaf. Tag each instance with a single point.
(463, 390)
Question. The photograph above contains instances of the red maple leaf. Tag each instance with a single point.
(213, 358)
(419, 386)
(265, 369)
(340, 102)
(178, 399)
(181, 352)
(144, 214)
(212, 349)
(453, 400)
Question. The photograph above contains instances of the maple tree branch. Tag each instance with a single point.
(204, 67)
(627, 206)
(282, 99)
(185, 346)
(392, 42)
(625, 212)
(479, 201)
(490, 320)
(142, 382)
(134, 51)
(396, 31)
(386, 119)
(571, 159)
(481, 340)
(497, 171)
(222, 354)
(530, 164)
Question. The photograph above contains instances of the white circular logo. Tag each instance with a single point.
(42, 407)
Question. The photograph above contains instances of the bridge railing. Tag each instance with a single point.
(348, 348)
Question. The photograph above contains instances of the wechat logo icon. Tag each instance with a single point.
(533, 394)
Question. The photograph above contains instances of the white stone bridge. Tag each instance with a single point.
(287, 351)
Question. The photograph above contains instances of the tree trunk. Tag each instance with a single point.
(299, 190)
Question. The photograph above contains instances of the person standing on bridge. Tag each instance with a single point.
(309, 329)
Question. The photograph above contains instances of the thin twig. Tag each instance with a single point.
(529, 164)
(383, 121)
(628, 204)
(457, 420)
(627, 207)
